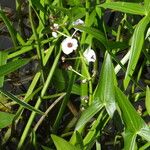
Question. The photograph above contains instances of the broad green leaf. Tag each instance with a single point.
(147, 100)
(133, 122)
(3, 59)
(94, 108)
(132, 8)
(136, 48)
(105, 91)
(62, 144)
(20, 102)
(130, 141)
(5, 119)
(12, 66)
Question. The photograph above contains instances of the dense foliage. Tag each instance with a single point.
(76, 76)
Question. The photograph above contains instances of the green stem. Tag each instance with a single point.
(38, 48)
(65, 100)
(33, 114)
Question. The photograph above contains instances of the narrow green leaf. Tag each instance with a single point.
(38, 5)
(3, 59)
(62, 144)
(95, 33)
(94, 108)
(5, 119)
(147, 100)
(12, 66)
(101, 37)
(9, 26)
(105, 91)
(20, 102)
(136, 47)
(132, 8)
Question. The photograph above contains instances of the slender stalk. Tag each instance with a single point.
(33, 114)
(65, 100)
(39, 52)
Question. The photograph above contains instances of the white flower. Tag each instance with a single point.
(56, 26)
(68, 45)
(89, 55)
(78, 22)
(54, 34)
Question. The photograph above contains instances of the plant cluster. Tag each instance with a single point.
(76, 76)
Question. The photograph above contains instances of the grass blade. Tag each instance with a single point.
(136, 48)
(3, 59)
(132, 8)
(20, 102)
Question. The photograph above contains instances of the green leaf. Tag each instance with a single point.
(76, 13)
(136, 47)
(101, 37)
(147, 4)
(20, 102)
(5, 119)
(94, 108)
(95, 33)
(9, 26)
(132, 8)
(105, 91)
(130, 141)
(133, 122)
(62, 144)
(147, 101)
(60, 80)
(38, 5)
(3, 59)
(12, 66)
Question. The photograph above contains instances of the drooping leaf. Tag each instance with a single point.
(20, 102)
(105, 91)
(5, 119)
(12, 66)
(136, 48)
(126, 7)
(62, 144)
